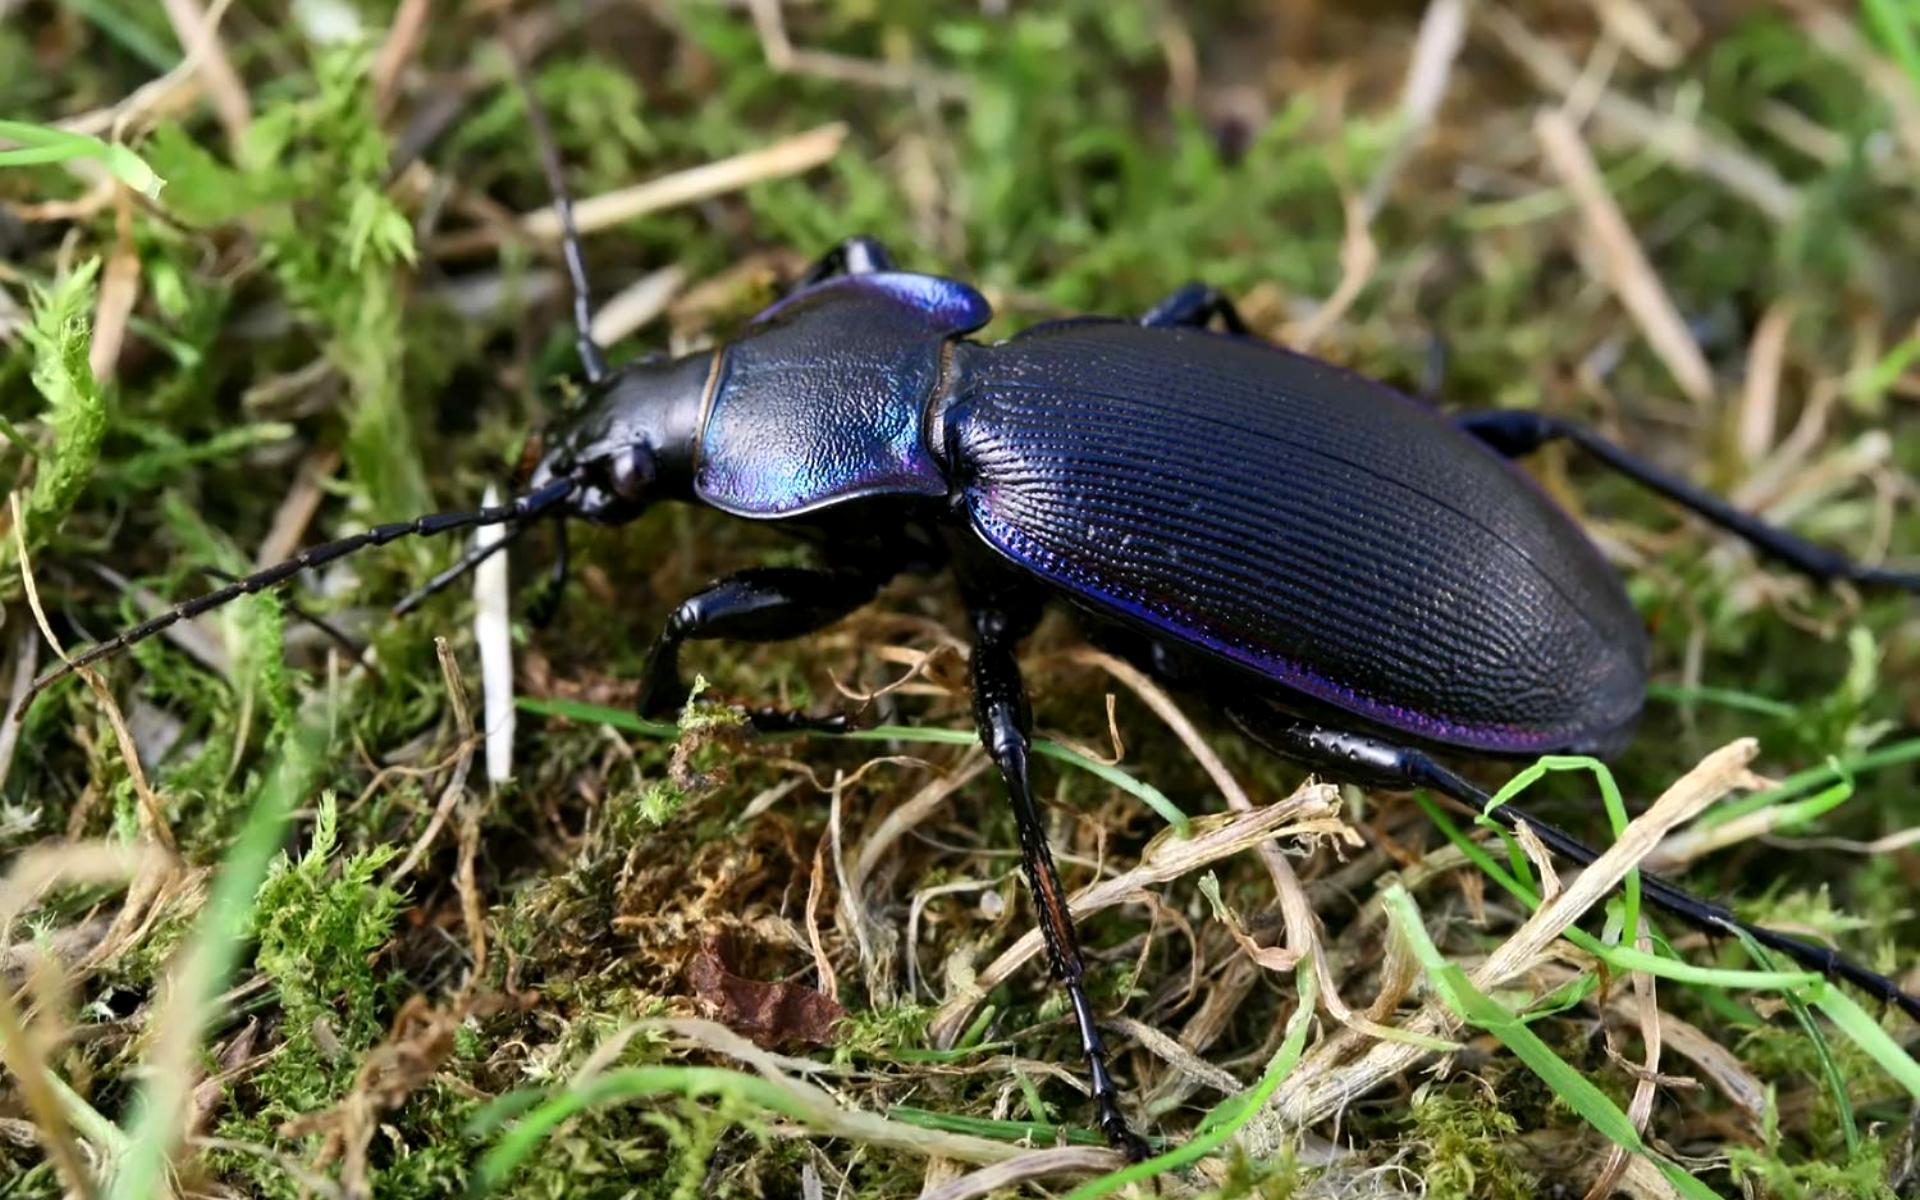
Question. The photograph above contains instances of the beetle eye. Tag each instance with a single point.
(631, 472)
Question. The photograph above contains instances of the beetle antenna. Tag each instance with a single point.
(593, 360)
(516, 511)
(466, 563)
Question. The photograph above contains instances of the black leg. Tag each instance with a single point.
(1000, 709)
(1195, 306)
(1366, 760)
(858, 255)
(593, 359)
(1433, 371)
(546, 606)
(761, 604)
(1514, 433)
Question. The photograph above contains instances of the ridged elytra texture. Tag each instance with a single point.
(1300, 521)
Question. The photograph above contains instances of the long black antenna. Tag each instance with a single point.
(465, 563)
(519, 509)
(593, 360)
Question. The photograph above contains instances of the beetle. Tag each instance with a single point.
(1371, 585)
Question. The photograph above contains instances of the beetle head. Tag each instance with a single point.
(633, 442)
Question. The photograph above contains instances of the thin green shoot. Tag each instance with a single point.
(1842, 769)
(1609, 796)
(1230, 1115)
(1621, 958)
(40, 144)
(1673, 693)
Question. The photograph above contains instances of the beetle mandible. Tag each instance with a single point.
(1369, 581)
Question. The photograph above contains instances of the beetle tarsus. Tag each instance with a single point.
(1000, 710)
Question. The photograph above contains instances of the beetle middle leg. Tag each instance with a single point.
(1368, 760)
(1513, 433)
(857, 255)
(760, 604)
(1005, 721)
(1195, 306)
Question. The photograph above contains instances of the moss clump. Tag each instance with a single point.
(1466, 1146)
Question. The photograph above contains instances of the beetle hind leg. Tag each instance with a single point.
(1513, 433)
(760, 604)
(1005, 721)
(1367, 760)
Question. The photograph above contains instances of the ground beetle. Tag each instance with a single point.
(1357, 580)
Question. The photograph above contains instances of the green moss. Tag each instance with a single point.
(59, 336)
(1778, 1172)
(1465, 1146)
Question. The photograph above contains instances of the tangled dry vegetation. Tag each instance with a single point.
(273, 927)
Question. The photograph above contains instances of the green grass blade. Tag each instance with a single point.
(1609, 797)
(1724, 697)
(1866, 1033)
(208, 962)
(1578, 1092)
(1835, 770)
(988, 1127)
(46, 144)
(632, 1083)
(1227, 1117)
(1896, 26)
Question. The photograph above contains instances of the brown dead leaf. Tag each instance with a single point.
(773, 1015)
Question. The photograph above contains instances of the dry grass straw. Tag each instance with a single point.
(1624, 120)
(1623, 264)
(826, 1116)
(1327, 1081)
(1310, 814)
(199, 34)
(153, 820)
(789, 156)
(456, 785)
(27, 1046)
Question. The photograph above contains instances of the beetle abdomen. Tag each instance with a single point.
(1300, 521)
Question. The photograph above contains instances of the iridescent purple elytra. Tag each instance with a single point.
(1301, 523)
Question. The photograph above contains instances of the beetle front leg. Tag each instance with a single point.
(760, 604)
(1513, 433)
(857, 255)
(1005, 721)
(1195, 306)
